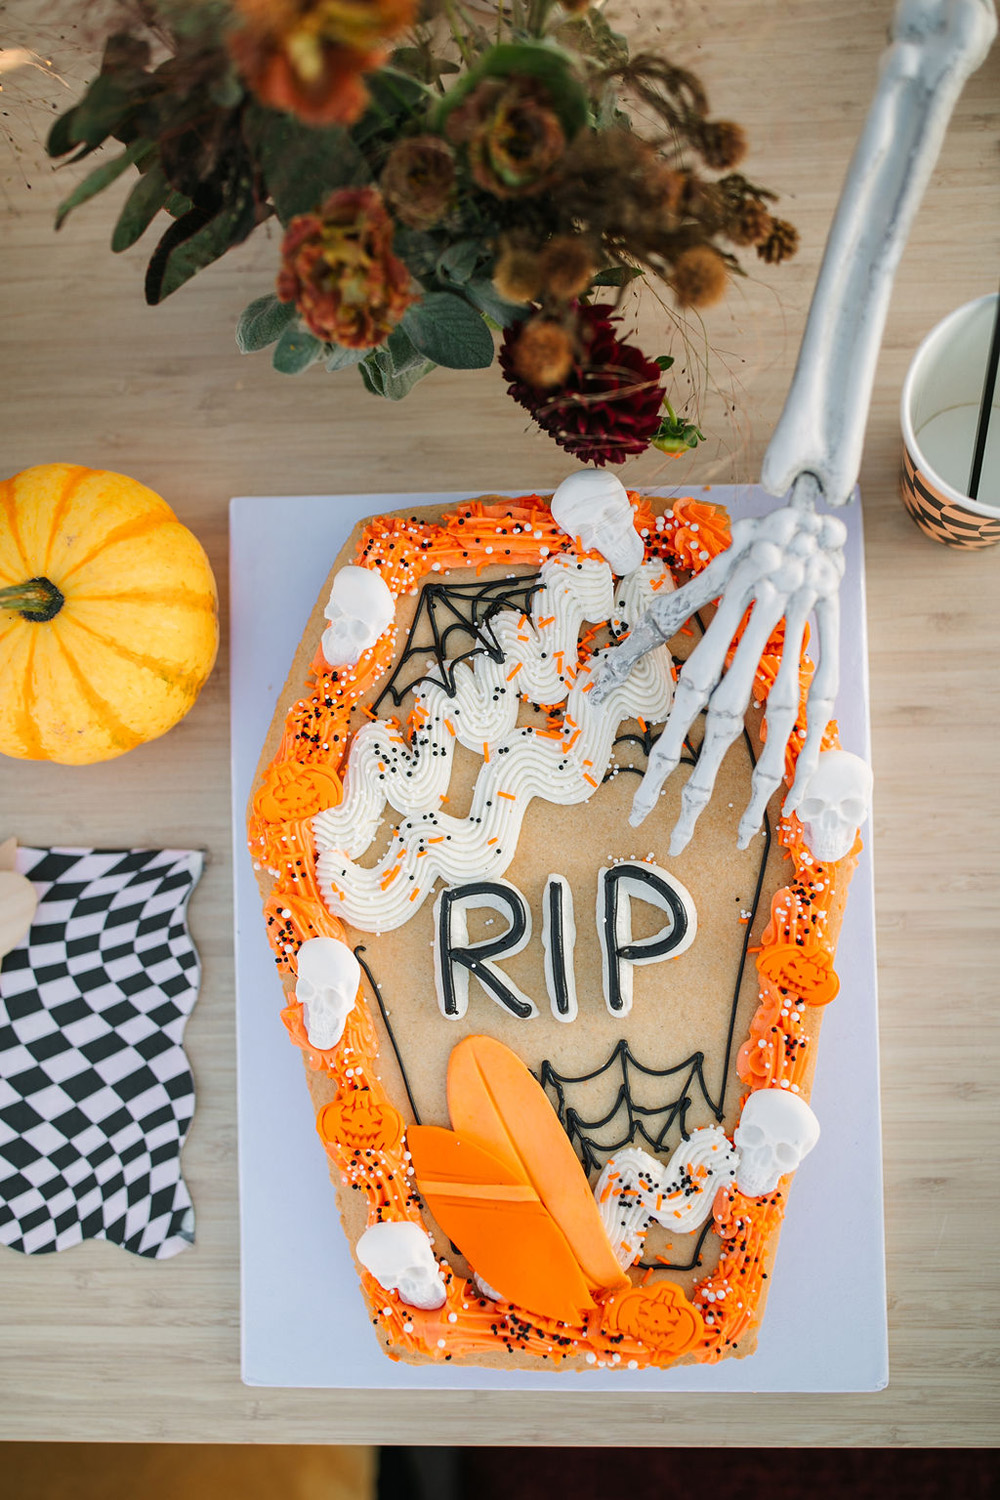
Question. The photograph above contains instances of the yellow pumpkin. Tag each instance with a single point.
(108, 615)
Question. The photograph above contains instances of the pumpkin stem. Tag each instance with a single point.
(36, 599)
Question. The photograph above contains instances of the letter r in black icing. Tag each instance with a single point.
(455, 958)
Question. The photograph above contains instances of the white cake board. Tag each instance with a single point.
(304, 1319)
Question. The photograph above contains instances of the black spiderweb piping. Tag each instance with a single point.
(445, 610)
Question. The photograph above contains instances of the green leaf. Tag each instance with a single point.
(302, 164)
(394, 98)
(297, 350)
(397, 354)
(177, 205)
(418, 250)
(664, 361)
(141, 206)
(459, 261)
(420, 62)
(61, 139)
(103, 108)
(484, 294)
(194, 241)
(262, 322)
(616, 276)
(394, 387)
(339, 357)
(444, 328)
(100, 178)
(372, 377)
(548, 64)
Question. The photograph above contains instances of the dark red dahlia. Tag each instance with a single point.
(608, 408)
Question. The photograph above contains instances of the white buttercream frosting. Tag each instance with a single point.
(540, 664)
(636, 1190)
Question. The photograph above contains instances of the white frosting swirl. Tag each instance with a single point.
(540, 664)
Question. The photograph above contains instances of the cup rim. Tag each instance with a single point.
(948, 491)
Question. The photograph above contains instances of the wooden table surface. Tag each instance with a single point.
(97, 1344)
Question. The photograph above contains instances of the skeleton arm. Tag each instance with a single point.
(790, 562)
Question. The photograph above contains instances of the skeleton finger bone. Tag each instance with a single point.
(822, 696)
(699, 676)
(782, 712)
(667, 615)
(726, 711)
(635, 1190)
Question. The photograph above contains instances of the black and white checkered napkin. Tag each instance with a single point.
(96, 1094)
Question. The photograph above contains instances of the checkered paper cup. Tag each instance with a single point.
(939, 416)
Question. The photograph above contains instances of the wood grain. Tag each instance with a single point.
(95, 1344)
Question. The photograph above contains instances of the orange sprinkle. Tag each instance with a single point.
(438, 839)
(450, 728)
(549, 620)
(642, 723)
(573, 738)
(509, 795)
(486, 753)
(414, 893)
(514, 670)
(390, 877)
(491, 841)
(587, 777)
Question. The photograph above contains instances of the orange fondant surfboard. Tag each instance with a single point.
(497, 1220)
(494, 1100)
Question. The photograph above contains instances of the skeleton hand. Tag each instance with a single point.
(785, 564)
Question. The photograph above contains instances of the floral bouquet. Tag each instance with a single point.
(443, 172)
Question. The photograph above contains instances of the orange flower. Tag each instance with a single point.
(339, 270)
(659, 1317)
(308, 56)
(512, 134)
(806, 972)
(293, 791)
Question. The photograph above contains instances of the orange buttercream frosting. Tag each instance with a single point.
(624, 1326)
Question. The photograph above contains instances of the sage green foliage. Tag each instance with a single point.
(101, 177)
(297, 349)
(445, 329)
(262, 323)
(144, 202)
(301, 164)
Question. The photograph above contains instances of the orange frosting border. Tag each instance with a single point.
(794, 965)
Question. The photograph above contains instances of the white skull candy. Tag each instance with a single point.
(776, 1130)
(401, 1258)
(593, 506)
(326, 988)
(360, 608)
(835, 802)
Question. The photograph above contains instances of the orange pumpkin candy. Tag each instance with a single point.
(108, 615)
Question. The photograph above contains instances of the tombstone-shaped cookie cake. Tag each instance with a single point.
(561, 1077)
